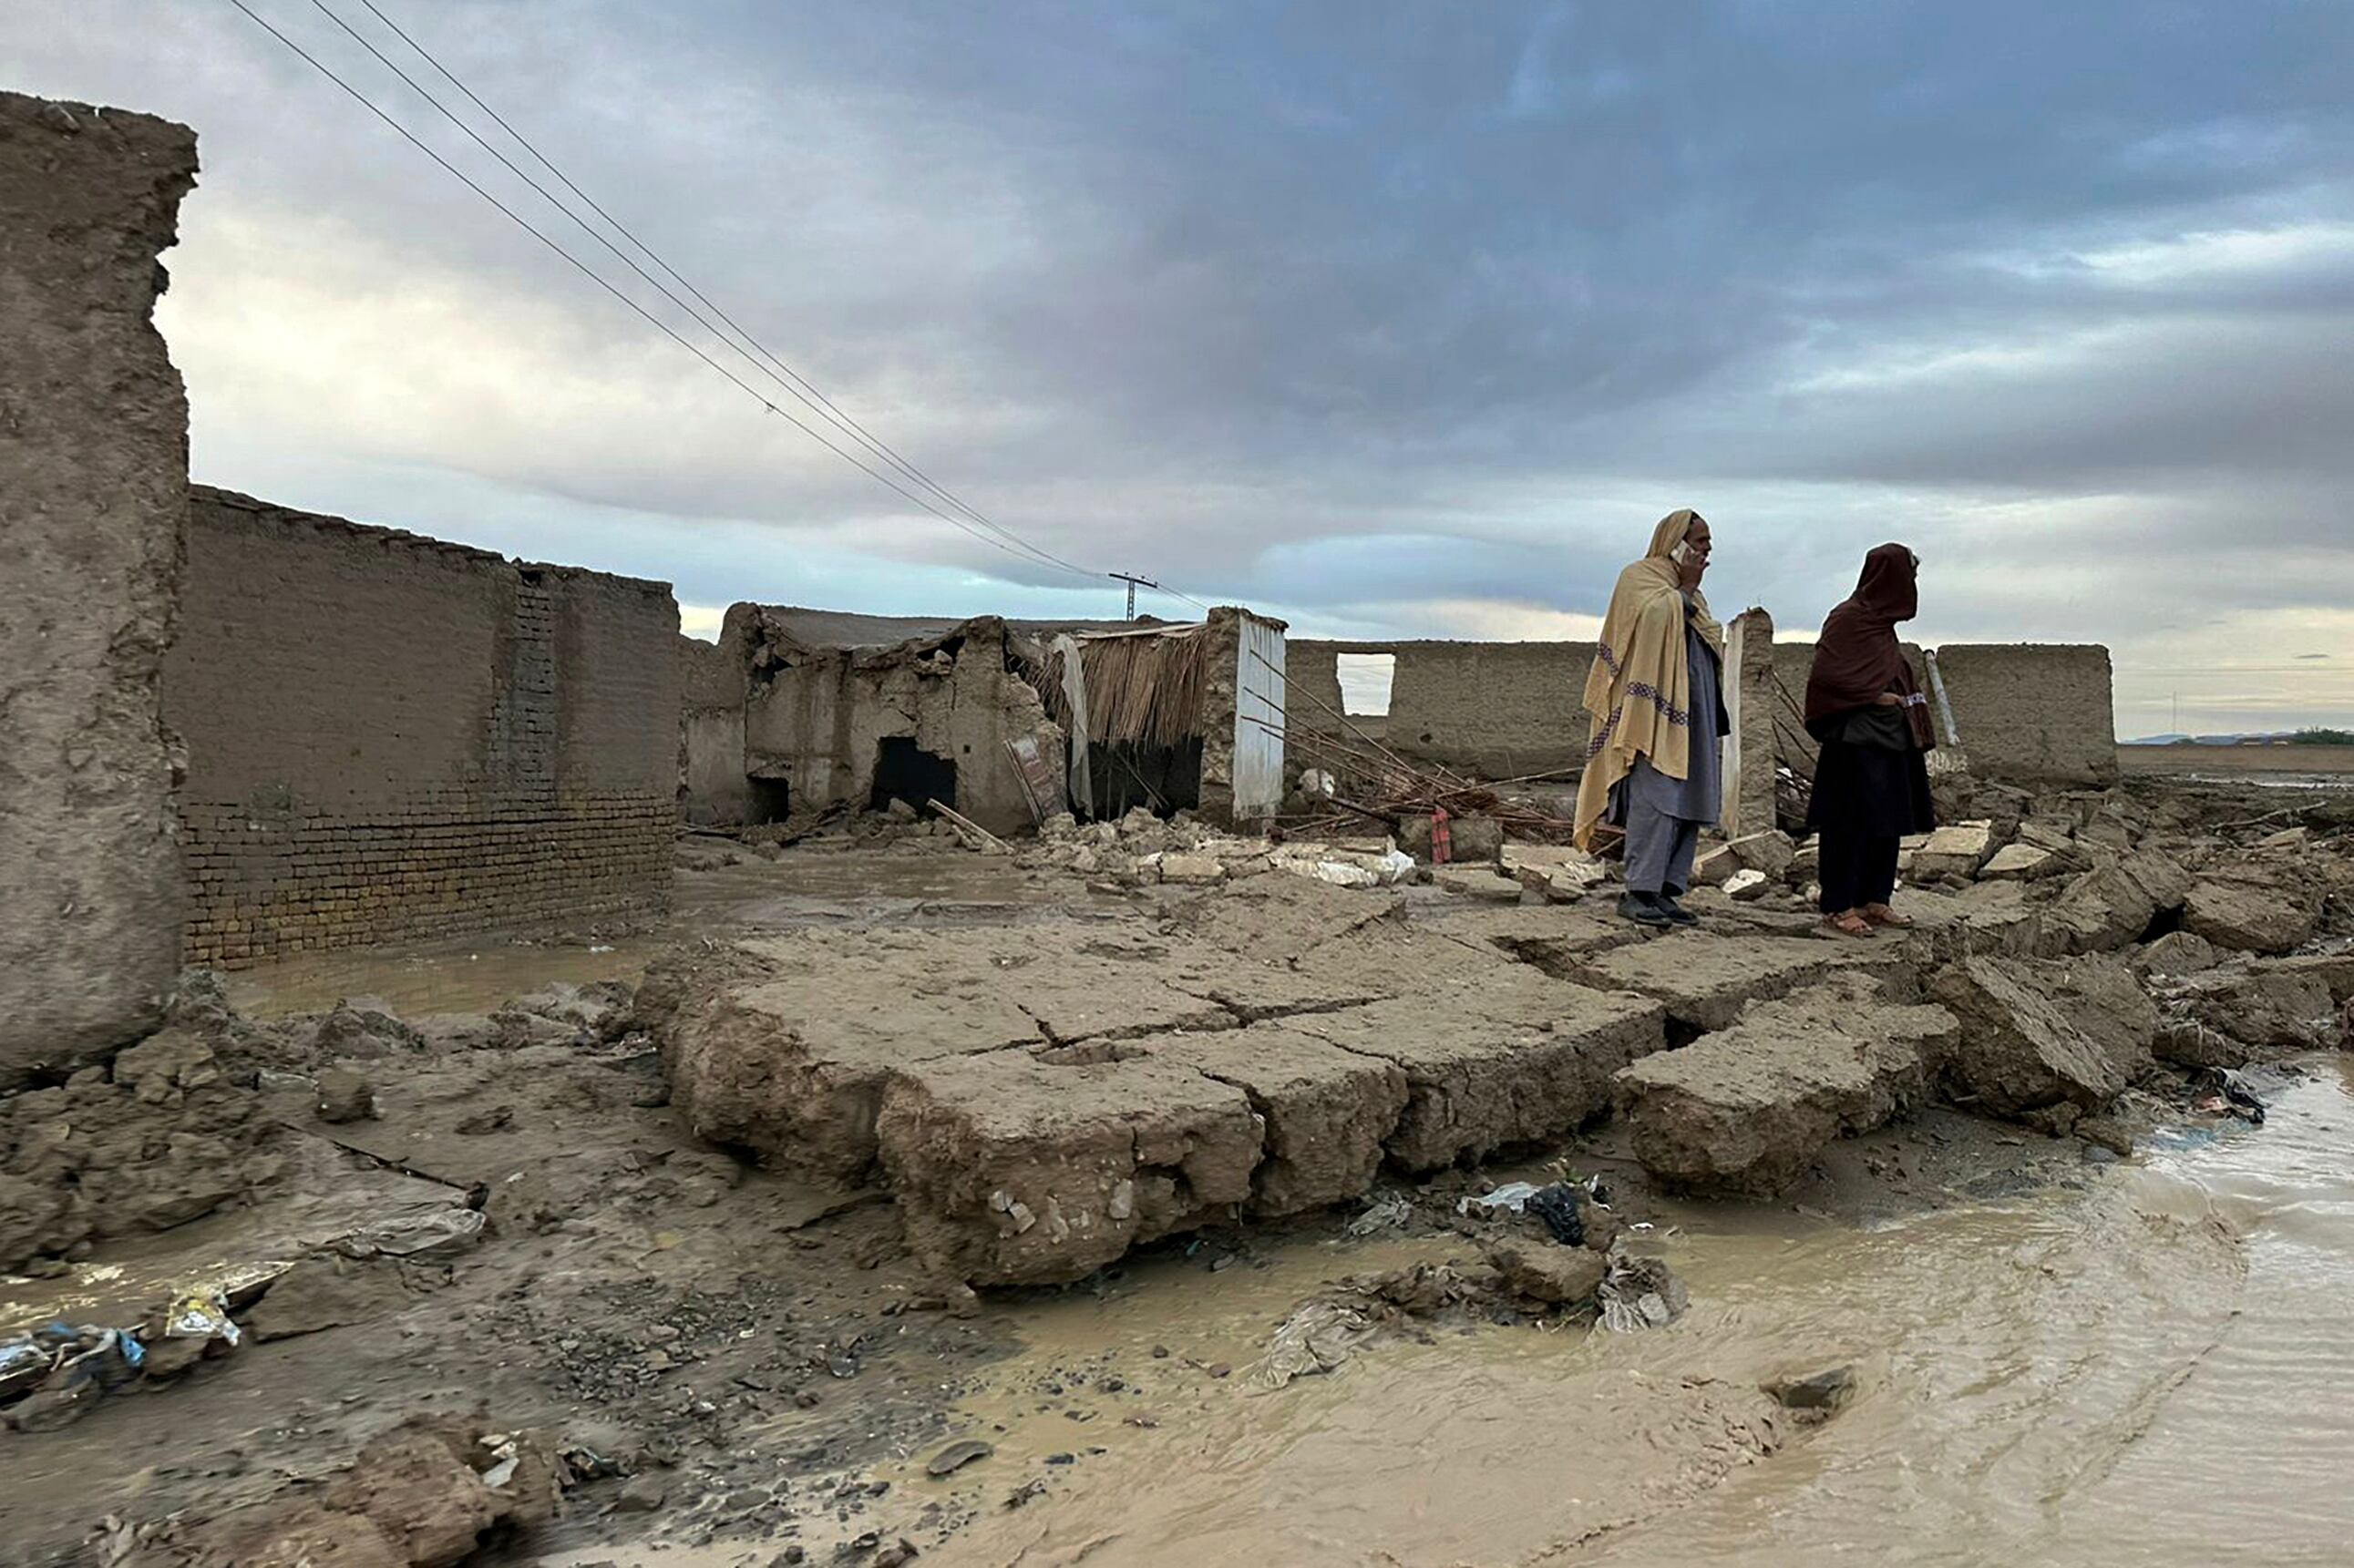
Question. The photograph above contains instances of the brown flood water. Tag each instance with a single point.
(2153, 1370)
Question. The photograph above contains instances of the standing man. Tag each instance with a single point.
(1655, 693)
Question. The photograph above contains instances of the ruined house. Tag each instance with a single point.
(1005, 722)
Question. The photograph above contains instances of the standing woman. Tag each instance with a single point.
(1871, 785)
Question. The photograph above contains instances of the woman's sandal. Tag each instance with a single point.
(1846, 926)
(1882, 914)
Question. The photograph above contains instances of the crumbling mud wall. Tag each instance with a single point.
(2033, 712)
(389, 736)
(93, 483)
(2027, 713)
(713, 684)
(1500, 709)
(863, 725)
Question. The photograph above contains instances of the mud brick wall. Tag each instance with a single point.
(93, 484)
(714, 682)
(391, 737)
(1501, 709)
(2033, 712)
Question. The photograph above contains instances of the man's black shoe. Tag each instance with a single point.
(1643, 908)
(1676, 912)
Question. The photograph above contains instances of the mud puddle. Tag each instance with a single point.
(2152, 1369)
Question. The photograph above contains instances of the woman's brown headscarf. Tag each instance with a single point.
(1857, 657)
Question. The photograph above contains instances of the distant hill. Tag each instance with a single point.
(2246, 737)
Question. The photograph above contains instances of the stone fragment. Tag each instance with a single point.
(1097, 1156)
(1472, 840)
(2229, 1017)
(326, 1293)
(414, 1485)
(2176, 953)
(344, 1096)
(1327, 1111)
(1562, 873)
(2019, 862)
(1747, 886)
(1477, 881)
(2252, 911)
(1191, 869)
(2034, 1031)
(1827, 1389)
(1954, 850)
(2113, 905)
(1747, 1108)
(1547, 1272)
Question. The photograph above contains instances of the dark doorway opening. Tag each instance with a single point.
(767, 801)
(1161, 778)
(905, 771)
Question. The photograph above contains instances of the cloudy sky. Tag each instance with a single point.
(1394, 319)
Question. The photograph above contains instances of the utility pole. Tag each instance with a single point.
(1133, 583)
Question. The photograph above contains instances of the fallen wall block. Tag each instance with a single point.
(1013, 1169)
(1327, 1111)
(1746, 1110)
(2037, 1031)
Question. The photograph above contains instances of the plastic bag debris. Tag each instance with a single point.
(1315, 1338)
(1390, 1213)
(1640, 1293)
(201, 1315)
(1511, 1198)
(424, 1237)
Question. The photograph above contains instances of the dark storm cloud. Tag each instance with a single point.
(1356, 309)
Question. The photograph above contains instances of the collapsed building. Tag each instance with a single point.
(1005, 722)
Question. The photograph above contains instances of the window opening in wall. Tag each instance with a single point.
(1365, 682)
(767, 801)
(905, 771)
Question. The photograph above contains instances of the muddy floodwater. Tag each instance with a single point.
(2154, 1368)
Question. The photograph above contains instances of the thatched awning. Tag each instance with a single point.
(1144, 684)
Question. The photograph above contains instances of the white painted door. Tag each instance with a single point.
(1259, 720)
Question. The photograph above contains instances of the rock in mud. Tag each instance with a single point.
(1746, 1109)
(326, 1293)
(1328, 1111)
(2251, 911)
(957, 1456)
(1547, 1272)
(2034, 1031)
(1825, 1391)
(1013, 1170)
(414, 1485)
(344, 1096)
(356, 1030)
(2019, 862)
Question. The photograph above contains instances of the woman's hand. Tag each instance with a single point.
(1888, 700)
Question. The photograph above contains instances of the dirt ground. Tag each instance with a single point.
(734, 1368)
(2234, 761)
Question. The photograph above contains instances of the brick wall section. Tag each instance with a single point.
(392, 737)
(1503, 709)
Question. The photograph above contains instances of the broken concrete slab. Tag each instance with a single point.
(1706, 979)
(1746, 1109)
(2036, 1032)
(2176, 953)
(785, 1053)
(2252, 912)
(1013, 1169)
(2019, 862)
(1770, 853)
(2114, 903)
(2230, 1017)
(1561, 873)
(1552, 937)
(1515, 1060)
(1328, 1111)
(1957, 850)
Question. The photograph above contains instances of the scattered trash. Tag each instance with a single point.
(1511, 1198)
(2237, 1094)
(424, 1237)
(1640, 1293)
(201, 1314)
(1317, 1338)
(1389, 1214)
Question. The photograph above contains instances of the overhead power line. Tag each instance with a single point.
(979, 526)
